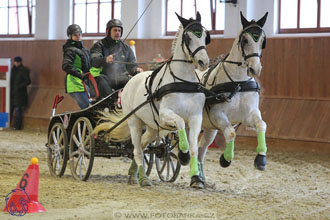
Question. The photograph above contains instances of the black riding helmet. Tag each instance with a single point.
(114, 23)
(73, 29)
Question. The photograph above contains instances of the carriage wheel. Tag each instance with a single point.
(81, 149)
(167, 164)
(57, 150)
(148, 161)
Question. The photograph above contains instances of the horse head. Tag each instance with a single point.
(194, 40)
(251, 41)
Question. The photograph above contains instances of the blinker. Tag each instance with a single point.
(197, 33)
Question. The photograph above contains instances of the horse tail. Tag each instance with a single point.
(107, 120)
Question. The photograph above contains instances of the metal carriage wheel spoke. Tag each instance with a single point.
(76, 141)
(148, 161)
(81, 149)
(161, 170)
(87, 140)
(57, 149)
(167, 165)
(172, 163)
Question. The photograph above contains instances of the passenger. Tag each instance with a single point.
(113, 75)
(19, 80)
(76, 62)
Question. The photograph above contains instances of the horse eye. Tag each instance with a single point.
(245, 41)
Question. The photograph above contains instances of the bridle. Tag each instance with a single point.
(241, 44)
(255, 36)
(186, 39)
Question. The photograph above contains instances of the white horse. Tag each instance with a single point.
(238, 99)
(171, 100)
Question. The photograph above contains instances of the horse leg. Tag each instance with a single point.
(147, 137)
(170, 118)
(194, 131)
(135, 126)
(206, 140)
(133, 173)
(228, 155)
(261, 126)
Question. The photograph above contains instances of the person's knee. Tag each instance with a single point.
(103, 86)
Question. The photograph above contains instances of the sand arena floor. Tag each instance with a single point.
(295, 185)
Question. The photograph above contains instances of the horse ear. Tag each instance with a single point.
(198, 17)
(183, 21)
(244, 22)
(262, 20)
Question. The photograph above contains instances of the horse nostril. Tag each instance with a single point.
(201, 63)
(251, 70)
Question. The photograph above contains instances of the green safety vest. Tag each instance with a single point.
(74, 84)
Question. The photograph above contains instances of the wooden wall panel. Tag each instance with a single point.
(296, 67)
(295, 77)
(295, 119)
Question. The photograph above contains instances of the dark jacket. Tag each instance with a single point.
(76, 61)
(19, 80)
(114, 71)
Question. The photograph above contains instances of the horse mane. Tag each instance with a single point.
(174, 42)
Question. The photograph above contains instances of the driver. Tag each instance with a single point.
(105, 53)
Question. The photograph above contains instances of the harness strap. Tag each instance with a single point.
(252, 55)
(198, 49)
(208, 73)
(232, 88)
(127, 116)
(177, 87)
(233, 62)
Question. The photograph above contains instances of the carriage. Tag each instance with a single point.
(71, 140)
(175, 98)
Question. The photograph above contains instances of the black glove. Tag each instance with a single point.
(84, 77)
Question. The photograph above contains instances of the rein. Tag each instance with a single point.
(150, 62)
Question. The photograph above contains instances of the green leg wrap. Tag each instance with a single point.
(194, 167)
(229, 151)
(142, 174)
(183, 141)
(261, 142)
(133, 169)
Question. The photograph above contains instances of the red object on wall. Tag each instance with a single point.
(3, 99)
(213, 145)
(4, 69)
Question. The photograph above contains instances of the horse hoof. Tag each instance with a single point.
(223, 162)
(202, 177)
(145, 182)
(184, 158)
(197, 182)
(132, 180)
(260, 162)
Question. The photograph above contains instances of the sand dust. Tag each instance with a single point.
(294, 186)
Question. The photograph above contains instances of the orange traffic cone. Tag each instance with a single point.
(24, 199)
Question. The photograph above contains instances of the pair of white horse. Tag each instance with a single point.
(175, 100)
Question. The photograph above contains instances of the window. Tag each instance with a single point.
(17, 18)
(212, 12)
(92, 15)
(304, 16)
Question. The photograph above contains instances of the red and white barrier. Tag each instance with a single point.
(5, 92)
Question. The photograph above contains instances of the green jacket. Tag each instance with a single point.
(76, 62)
